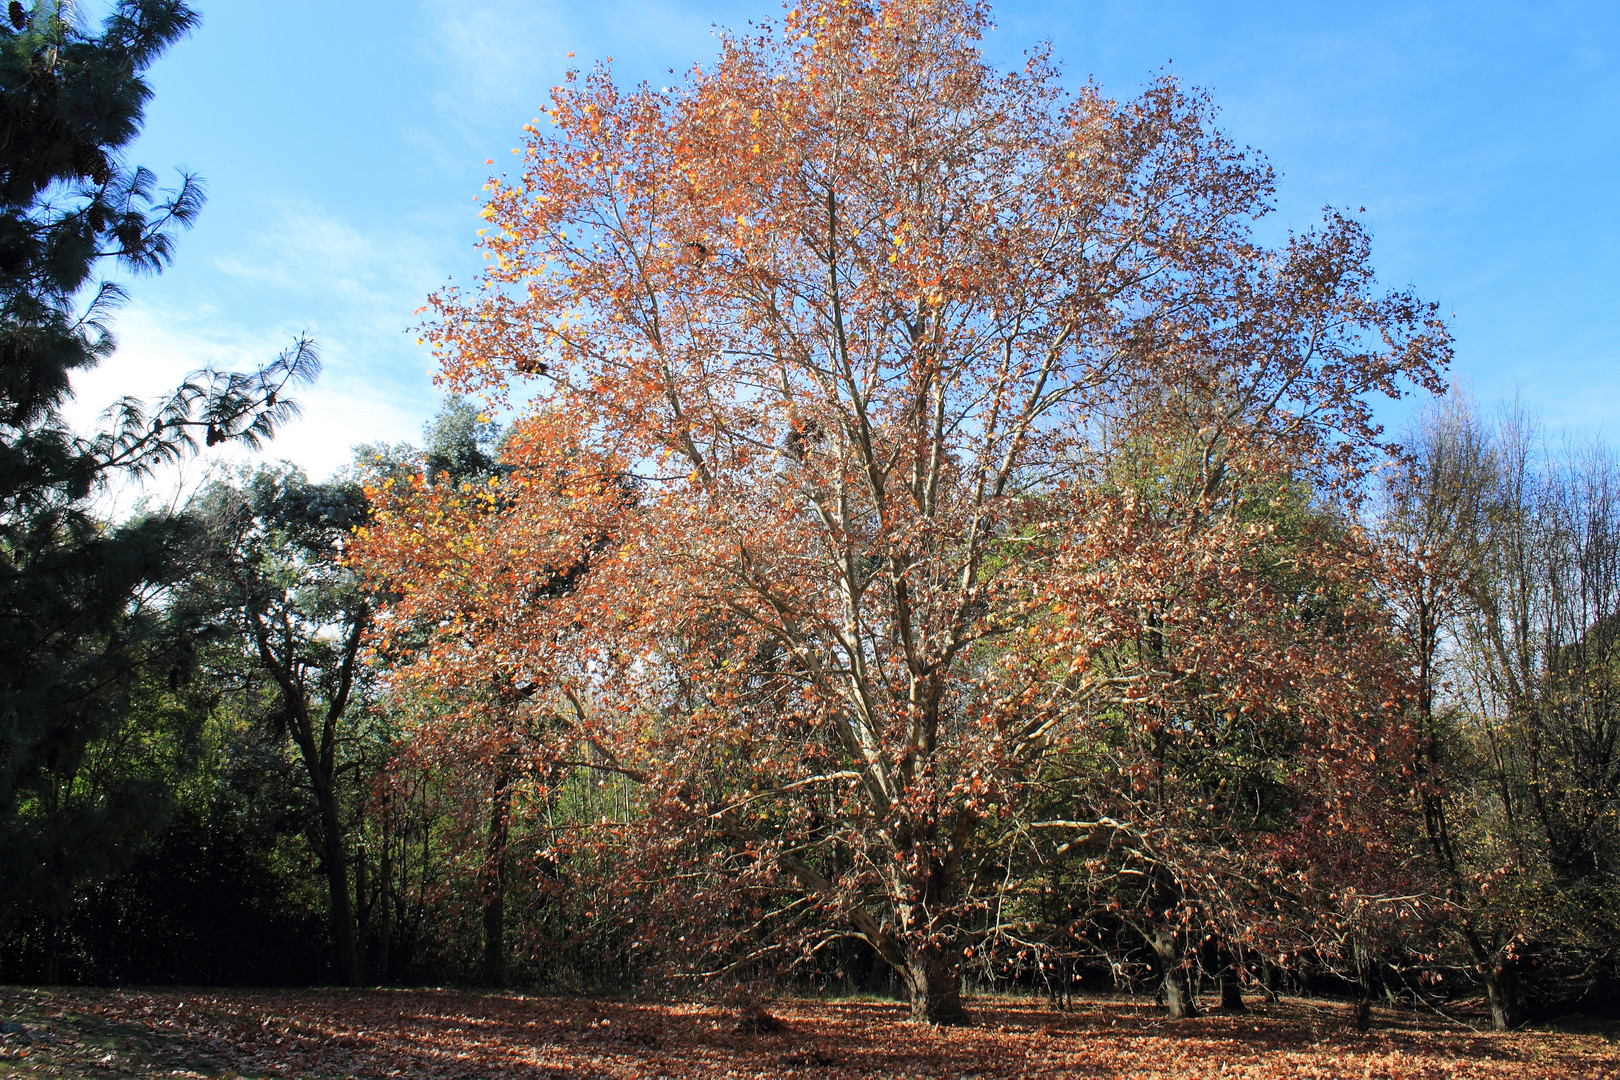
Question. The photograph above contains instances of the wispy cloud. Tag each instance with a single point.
(492, 60)
(496, 59)
(303, 271)
(310, 254)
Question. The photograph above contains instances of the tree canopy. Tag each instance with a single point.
(923, 432)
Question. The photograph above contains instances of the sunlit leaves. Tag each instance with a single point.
(922, 431)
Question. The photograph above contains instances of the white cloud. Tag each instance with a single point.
(355, 283)
(354, 292)
(345, 407)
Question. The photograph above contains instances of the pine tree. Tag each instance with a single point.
(82, 618)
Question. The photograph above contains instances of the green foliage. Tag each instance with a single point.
(460, 443)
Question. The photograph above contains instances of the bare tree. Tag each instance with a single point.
(1507, 581)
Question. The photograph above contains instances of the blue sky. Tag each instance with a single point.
(344, 142)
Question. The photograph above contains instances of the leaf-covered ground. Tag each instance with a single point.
(423, 1033)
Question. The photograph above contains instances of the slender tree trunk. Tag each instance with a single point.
(495, 886)
(1179, 999)
(1501, 977)
(52, 947)
(1060, 981)
(58, 897)
(362, 910)
(385, 916)
(1231, 987)
(1271, 981)
(1367, 983)
(319, 760)
(337, 881)
(1223, 963)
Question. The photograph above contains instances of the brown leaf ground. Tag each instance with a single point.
(329, 1034)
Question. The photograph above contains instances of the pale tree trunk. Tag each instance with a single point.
(933, 958)
(932, 972)
(1502, 991)
(495, 886)
(1501, 976)
(1366, 983)
(1169, 947)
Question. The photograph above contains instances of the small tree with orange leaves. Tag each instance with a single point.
(834, 350)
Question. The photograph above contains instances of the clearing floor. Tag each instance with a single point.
(331, 1034)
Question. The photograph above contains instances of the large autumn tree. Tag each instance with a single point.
(828, 358)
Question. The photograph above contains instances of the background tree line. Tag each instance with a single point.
(276, 757)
